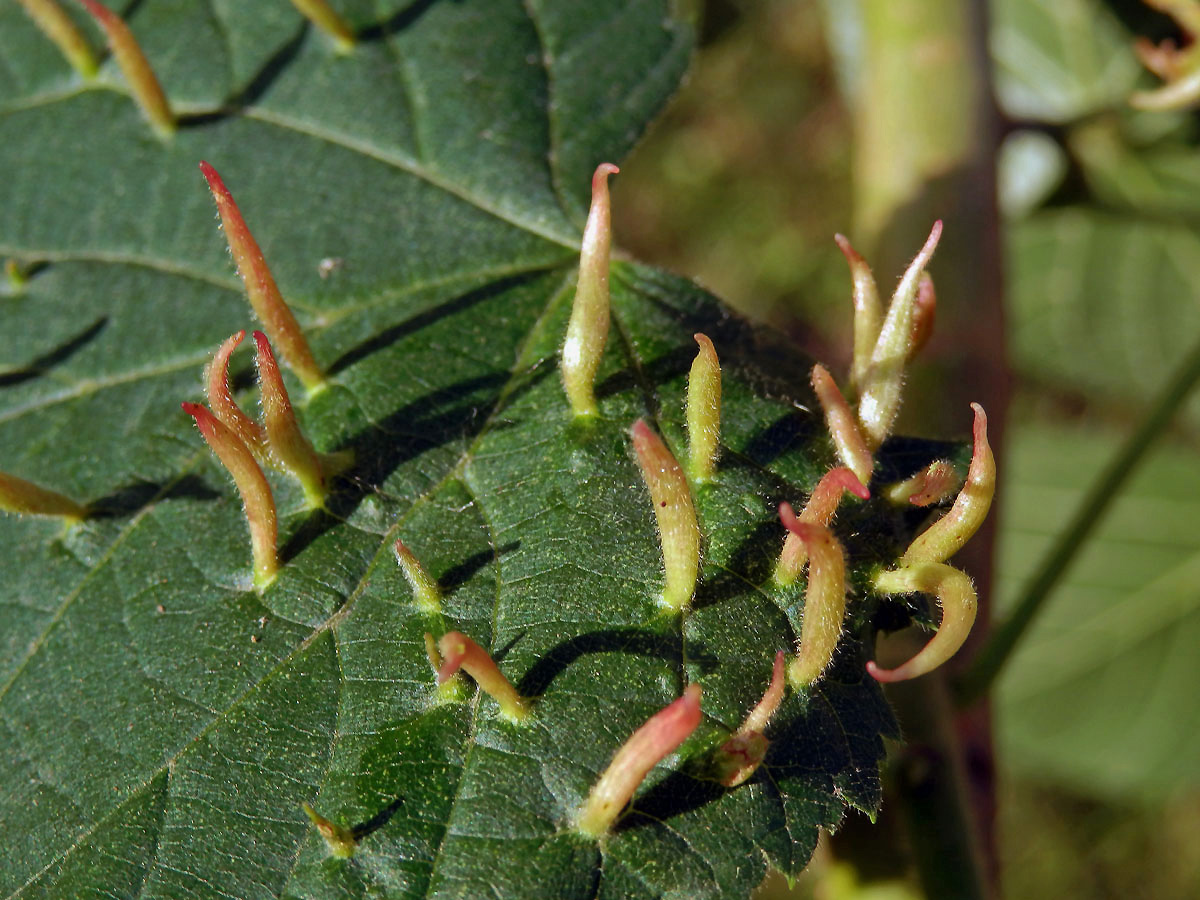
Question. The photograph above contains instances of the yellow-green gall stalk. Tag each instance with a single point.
(704, 411)
(26, 498)
(257, 500)
(819, 510)
(955, 595)
(740, 756)
(824, 599)
(460, 652)
(936, 482)
(323, 16)
(587, 331)
(285, 441)
(848, 439)
(677, 527)
(946, 536)
(882, 384)
(147, 91)
(868, 313)
(52, 20)
(268, 304)
(338, 838)
(426, 592)
(222, 404)
(662, 733)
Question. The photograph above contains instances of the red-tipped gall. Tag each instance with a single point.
(222, 404)
(740, 756)
(848, 439)
(819, 510)
(661, 734)
(824, 599)
(936, 482)
(678, 530)
(257, 500)
(587, 331)
(285, 441)
(263, 293)
(460, 652)
(147, 91)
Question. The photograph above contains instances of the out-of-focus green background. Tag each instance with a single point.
(743, 184)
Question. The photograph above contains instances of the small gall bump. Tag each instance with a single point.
(268, 304)
(661, 734)
(53, 21)
(678, 530)
(459, 651)
(824, 599)
(936, 482)
(955, 595)
(147, 91)
(339, 839)
(222, 404)
(704, 411)
(819, 510)
(868, 314)
(257, 500)
(881, 387)
(848, 439)
(946, 536)
(426, 593)
(26, 498)
(285, 441)
(323, 16)
(587, 331)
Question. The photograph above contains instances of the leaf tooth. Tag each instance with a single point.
(661, 734)
(955, 595)
(338, 838)
(261, 290)
(587, 331)
(824, 599)
(222, 404)
(679, 532)
(425, 589)
(285, 440)
(819, 510)
(53, 21)
(257, 500)
(147, 91)
(848, 439)
(26, 498)
(740, 756)
(459, 651)
(946, 536)
(323, 16)
(704, 411)
(868, 314)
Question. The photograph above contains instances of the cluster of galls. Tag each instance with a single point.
(884, 340)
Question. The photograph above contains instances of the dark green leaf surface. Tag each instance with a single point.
(161, 723)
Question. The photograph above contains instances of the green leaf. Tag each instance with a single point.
(161, 724)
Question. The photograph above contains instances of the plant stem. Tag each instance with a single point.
(991, 659)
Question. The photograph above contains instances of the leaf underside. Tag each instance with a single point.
(160, 723)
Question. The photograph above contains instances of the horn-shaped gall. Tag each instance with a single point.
(936, 482)
(261, 290)
(257, 500)
(587, 331)
(285, 440)
(662, 733)
(222, 404)
(339, 839)
(848, 439)
(738, 758)
(819, 510)
(26, 498)
(880, 390)
(955, 595)
(147, 91)
(426, 592)
(52, 20)
(824, 599)
(460, 652)
(323, 16)
(703, 411)
(868, 314)
(677, 527)
(946, 536)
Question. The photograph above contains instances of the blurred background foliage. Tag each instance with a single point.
(743, 184)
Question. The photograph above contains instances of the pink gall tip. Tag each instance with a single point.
(460, 652)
